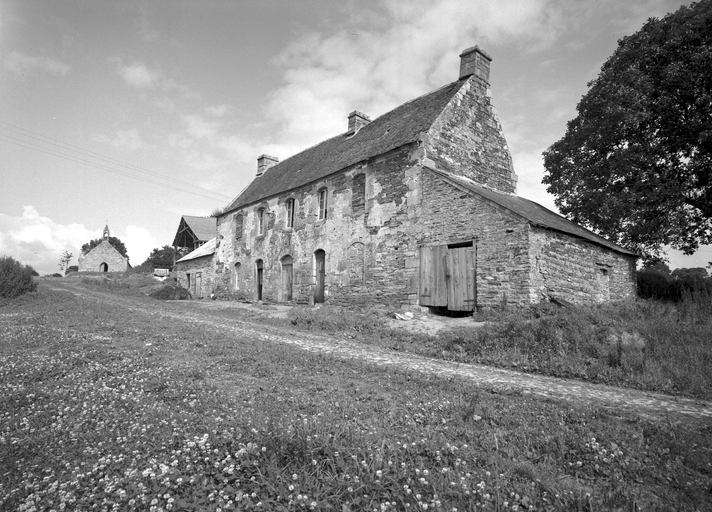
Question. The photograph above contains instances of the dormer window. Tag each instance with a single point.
(289, 205)
(322, 204)
(261, 221)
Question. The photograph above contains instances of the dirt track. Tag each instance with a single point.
(651, 405)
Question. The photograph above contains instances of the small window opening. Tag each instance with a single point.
(459, 244)
(261, 221)
(322, 204)
(290, 213)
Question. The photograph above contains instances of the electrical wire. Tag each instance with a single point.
(81, 155)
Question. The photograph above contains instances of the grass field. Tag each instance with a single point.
(101, 410)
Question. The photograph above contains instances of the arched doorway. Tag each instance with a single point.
(287, 277)
(260, 272)
(104, 267)
(319, 275)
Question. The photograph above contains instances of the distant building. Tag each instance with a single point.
(194, 271)
(103, 258)
(193, 232)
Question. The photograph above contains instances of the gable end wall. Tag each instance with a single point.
(103, 253)
(467, 140)
(577, 270)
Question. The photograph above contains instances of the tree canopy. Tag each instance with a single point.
(635, 165)
(115, 242)
(162, 257)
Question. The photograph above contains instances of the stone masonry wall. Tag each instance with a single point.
(451, 215)
(578, 271)
(202, 266)
(467, 140)
(103, 253)
(369, 237)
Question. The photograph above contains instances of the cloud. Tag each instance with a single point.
(200, 128)
(139, 75)
(22, 64)
(373, 66)
(128, 139)
(139, 244)
(39, 241)
(218, 110)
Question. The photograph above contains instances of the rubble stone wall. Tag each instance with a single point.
(103, 253)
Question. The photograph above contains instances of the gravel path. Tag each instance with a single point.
(655, 406)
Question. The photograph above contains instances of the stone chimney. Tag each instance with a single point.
(265, 162)
(475, 61)
(357, 120)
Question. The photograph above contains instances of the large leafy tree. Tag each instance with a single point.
(635, 165)
(115, 242)
(162, 257)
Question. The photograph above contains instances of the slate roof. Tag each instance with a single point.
(393, 129)
(533, 212)
(207, 249)
(203, 227)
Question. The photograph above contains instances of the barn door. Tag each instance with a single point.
(447, 277)
(461, 279)
(433, 287)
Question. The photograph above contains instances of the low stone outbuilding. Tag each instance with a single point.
(103, 258)
(418, 206)
(195, 271)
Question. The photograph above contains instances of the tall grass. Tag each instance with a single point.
(646, 344)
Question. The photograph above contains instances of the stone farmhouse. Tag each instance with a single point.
(103, 258)
(416, 207)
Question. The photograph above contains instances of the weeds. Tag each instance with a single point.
(146, 417)
(645, 344)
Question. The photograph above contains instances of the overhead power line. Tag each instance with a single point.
(37, 142)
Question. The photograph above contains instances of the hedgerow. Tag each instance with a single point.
(15, 279)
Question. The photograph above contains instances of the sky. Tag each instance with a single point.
(136, 112)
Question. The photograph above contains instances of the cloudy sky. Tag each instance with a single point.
(137, 112)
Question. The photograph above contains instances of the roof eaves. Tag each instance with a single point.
(491, 196)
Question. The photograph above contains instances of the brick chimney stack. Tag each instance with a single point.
(357, 120)
(475, 61)
(265, 162)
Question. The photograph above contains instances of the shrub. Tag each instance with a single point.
(15, 279)
(656, 285)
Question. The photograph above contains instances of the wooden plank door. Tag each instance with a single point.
(461, 280)
(433, 271)
(260, 276)
(287, 278)
(320, 264)
(199, 284)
